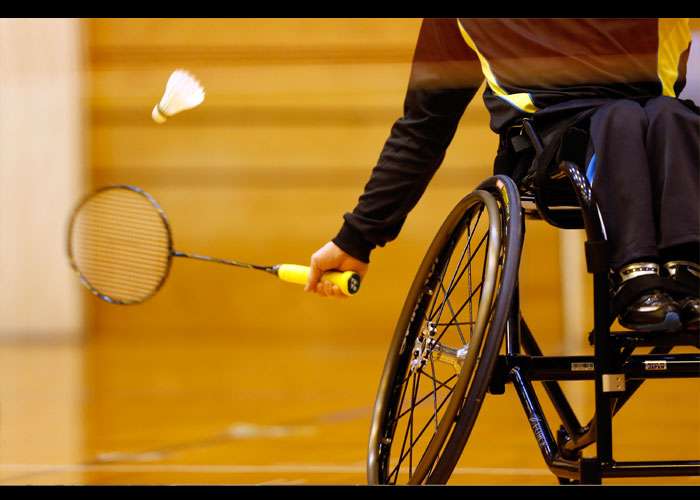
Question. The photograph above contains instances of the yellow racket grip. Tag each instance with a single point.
(348, 281)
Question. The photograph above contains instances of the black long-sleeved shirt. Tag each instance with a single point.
(528, 65)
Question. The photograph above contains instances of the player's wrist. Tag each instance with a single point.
(351, 241)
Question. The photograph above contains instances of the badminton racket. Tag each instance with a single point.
(121, 247)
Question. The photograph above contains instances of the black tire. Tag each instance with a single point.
(419, 400)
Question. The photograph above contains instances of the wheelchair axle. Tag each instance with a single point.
(427, 347)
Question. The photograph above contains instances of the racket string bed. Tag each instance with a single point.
(121, 245)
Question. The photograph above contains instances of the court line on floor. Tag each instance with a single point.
(247, 469)
(236, 431)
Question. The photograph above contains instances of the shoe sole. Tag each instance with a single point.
(671, 322)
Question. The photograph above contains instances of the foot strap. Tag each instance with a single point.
(637, 279)
(684, 279)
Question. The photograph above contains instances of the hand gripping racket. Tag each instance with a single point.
(121, 247)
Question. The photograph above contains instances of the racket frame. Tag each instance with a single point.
(74, 264)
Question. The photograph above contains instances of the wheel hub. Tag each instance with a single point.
(427, 347)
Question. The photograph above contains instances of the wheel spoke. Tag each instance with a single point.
(410, 436)
(417, 402)
(467, 246)
(452, 321)
(447, 293)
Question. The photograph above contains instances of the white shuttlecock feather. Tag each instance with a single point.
(182, 92)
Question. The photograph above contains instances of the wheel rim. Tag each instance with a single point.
(419, 398)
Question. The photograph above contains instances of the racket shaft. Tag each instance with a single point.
(220, 261)
(348, 281)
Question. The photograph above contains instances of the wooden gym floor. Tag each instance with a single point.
(199, 409)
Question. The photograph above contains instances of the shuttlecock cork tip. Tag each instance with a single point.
(157, 116)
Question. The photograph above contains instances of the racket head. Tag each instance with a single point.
(120, 244)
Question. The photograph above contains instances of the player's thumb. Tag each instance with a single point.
(314, 277)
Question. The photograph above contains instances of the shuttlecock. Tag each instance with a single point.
(182, 92)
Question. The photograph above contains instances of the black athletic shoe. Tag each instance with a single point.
(690, 312)
(653, 311)
(640, 301)
(685, 277)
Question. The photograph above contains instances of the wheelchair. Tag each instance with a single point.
(461, 334)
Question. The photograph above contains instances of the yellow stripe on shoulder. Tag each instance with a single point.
(521, 101)
(674, 37)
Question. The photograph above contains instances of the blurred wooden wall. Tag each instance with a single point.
(296, 113)
(41, 165)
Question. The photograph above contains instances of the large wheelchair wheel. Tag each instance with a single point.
(447, 339)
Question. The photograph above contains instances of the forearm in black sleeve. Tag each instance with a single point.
(412, 154)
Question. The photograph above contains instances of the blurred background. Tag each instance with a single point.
(295, 115)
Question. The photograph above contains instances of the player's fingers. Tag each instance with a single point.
(320, 289)
(338, 293)
(333, 291)
(328, 288)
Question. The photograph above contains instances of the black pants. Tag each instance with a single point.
(646, 160)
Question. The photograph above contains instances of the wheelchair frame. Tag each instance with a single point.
(616, 371)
